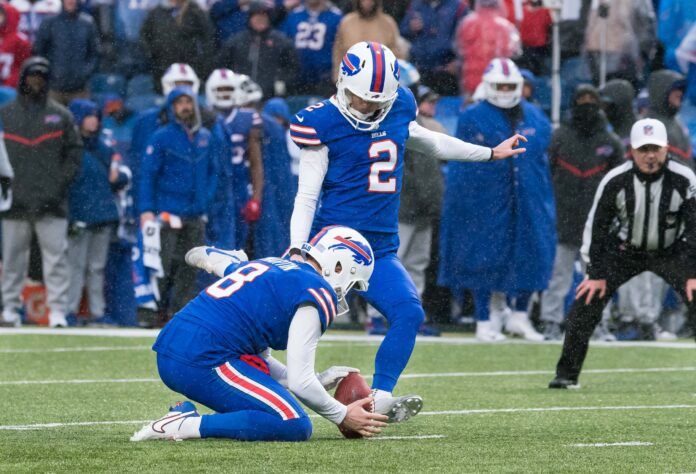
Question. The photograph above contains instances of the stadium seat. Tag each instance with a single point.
(108, 83)
(139, 85)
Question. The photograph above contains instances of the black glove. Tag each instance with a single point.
(5, 184)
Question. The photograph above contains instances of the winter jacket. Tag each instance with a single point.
(630, 29)
(177, 174)
(14, 47)
(33, 13)
(481, 37)
(265, 57)
(354, 28)
(92, 198)
(177, 36)
(45, 151)
(660, 84)
(579, 161)
(498, 229)
(70, 41)
(674, 21)
(421, 191)
(431, 46)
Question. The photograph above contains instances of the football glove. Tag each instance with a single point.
(331, 376)
(214, 260)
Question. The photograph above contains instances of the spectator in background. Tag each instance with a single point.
(129, 16)
(617, 100)
(367, 22)
(33, 13)
(505, 209)
(534, 33)
(45, 152)
(482, 36)
(14, 47)
(666, 92)
(630, 38)
(430, 27)
(582, 151)
(675, 18)
(313, 28)
(70, 42)
(177, 31)
(177, 182)
(92, 213)
(266, 55)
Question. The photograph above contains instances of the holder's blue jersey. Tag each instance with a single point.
(363, 182)
(248, 311)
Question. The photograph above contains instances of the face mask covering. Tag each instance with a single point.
(586, 118)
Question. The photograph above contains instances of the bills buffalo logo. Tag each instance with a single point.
(350, 64)
(648, 130)
(53, 118)
(605, 150)
(396, 70)
(361, 253)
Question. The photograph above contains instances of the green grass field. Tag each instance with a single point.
(487, 409)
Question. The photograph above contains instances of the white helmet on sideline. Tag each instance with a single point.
(249, 91)
(179, 74)
(370, 71)
(345, 258)
(220, 89)
(502, 73)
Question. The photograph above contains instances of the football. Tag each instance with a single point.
(352, 388)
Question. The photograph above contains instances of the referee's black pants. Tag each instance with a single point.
(675, 268)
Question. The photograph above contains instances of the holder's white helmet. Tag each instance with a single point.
(345, 258)
(179, 74)
(498, 72)
(370, 71)
(220, 89)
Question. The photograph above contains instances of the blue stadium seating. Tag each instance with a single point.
(139, 85)
(108, 84)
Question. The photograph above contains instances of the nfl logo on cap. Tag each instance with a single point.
(648, 131)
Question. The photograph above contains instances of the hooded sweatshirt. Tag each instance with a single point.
(14, 47)
(177, 174)
(45, 151)
(660, 84)
(618, 95)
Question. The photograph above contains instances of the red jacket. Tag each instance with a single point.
(14, 47)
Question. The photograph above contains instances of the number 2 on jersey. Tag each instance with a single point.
(382, 149)
(235, 280)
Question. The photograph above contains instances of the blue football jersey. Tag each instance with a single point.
(250, 309)
(314, 36)
(363, 182)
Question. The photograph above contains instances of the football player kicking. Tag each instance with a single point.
(216, 350)
(352, 156)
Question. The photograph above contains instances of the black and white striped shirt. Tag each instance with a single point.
(644, 213)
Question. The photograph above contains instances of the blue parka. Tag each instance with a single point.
(177, 174)
(498, 229)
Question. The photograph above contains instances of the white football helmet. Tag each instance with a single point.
(345, 258)
(180, 74)
(220, 89)
(498, 72)
(370, 71)
(249, 91)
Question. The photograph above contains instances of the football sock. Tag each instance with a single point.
(482, 301)
(190, 427)
(377, 394)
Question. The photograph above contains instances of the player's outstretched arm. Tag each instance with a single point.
(278, 370)
(215, 261)
(314, 163)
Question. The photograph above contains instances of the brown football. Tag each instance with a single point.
(350, 389)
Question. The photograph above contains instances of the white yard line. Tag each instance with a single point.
(74, 349)
(604, 445)
(502, 373)
(388, 438)
(483, 411)
(424, 413)
(332, 337)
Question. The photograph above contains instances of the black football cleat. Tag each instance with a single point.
(563, 383)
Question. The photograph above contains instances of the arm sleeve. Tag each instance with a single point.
(304, 334)
(314, 163)
(278, 370)
(443, 146)
(596, 234)
(149, 169)
(72, 152)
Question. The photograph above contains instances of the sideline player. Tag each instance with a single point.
(216, 350)
(352, 156)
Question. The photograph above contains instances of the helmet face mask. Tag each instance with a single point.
(345, 259)
(225, 90)
(370, 72)
(502, 83)
(180, 74)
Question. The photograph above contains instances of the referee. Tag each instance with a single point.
(643, 218)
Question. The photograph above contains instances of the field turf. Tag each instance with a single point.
(70, 403)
